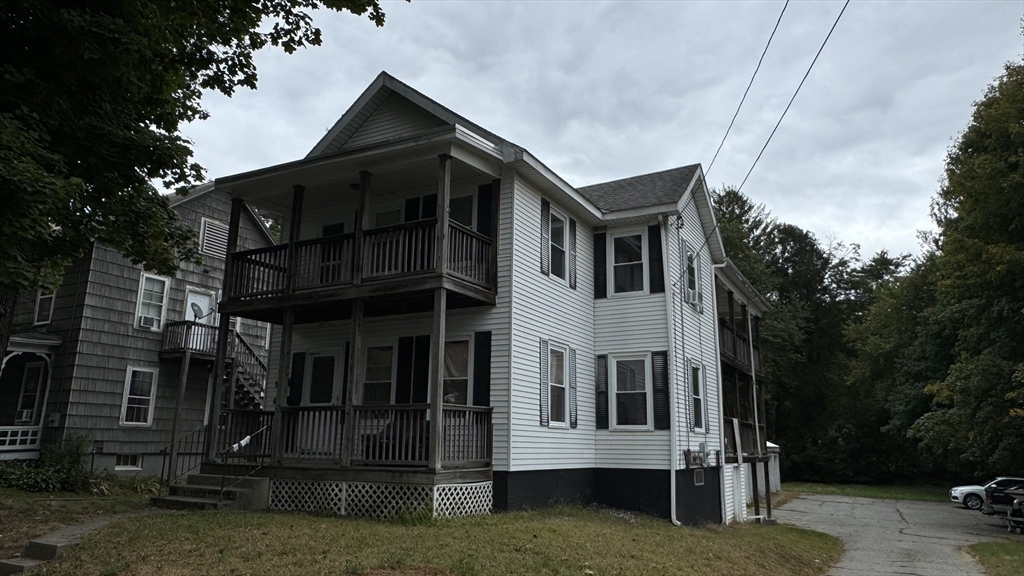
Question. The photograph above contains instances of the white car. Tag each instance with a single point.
(972, 497)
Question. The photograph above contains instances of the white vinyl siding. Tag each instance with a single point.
(139, 396)
(213, 238)
(395, 117)
(152, 304)
(44, 306)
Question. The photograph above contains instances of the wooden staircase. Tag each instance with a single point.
(216, 492)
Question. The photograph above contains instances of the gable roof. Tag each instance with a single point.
(201, 189)
(654, 189)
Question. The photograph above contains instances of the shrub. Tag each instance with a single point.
(29, 477)
(60, 468)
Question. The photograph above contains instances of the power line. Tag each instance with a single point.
(749, 84)
(822, 47)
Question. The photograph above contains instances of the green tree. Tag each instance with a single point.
(94, 94)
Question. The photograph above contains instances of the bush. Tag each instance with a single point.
(60, 468)
(29, 477)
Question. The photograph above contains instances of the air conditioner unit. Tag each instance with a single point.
(23, 416)
(694, 458)
(692, 296)
(148, 322)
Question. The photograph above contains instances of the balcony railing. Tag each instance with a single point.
(748, 439)
(190, 336)
(391, 252)
(735, 345)
(385, 435)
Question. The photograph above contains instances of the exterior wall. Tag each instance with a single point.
(542, 307)
(94, 314)
(396, 117)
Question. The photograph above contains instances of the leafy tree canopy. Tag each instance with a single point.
(94, 92)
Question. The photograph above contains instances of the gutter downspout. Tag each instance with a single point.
(672, 436)
(721, 409)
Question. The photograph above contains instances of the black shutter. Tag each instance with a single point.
(545, 237)
(601, 372)
(654, 255)
(482, 369)
(483, 210)
(403, 375)
(412, 209)
(543, 382)
(572, 388)
(600, 266)
(430, 206)
(572, 253)
(344, 375)
(421, 369)
(659, 369)
(295, 381)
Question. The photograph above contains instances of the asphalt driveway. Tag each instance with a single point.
(897, 536)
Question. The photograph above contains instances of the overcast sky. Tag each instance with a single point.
(606, 90)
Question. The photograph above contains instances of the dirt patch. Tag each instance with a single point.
(421, 571)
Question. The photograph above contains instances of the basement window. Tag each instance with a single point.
(128, 462)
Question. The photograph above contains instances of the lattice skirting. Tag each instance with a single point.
(381, 501)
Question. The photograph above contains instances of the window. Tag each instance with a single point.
(44, 306)
(139, 394)
(456, 372)
(377, 384)
(628, 263)
(31, 385)
(461, 210)
(213, 238)
(321, 379)
(335, 229)
(632, 405)
(556, 385)
(557, 245)
(128, 462)
(697, 383)
(152, 297)
(387, 218)
(692, 264)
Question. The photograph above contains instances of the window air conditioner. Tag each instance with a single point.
(147, 321)
(24, 416)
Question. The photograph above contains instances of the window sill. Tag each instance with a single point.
(627, 295)
(127, 469)
(135, 425)
(631, 429)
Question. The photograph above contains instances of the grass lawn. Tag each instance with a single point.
(24, 516)
(925, 493)
(559, 540)
(1000, 558)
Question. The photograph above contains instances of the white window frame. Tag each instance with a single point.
(39, 390)
(469, 367)
(39, 298)
(613, 375)
(152, 396)
(689, 254)
(163, 305)
(556, 213)
(128, 467)
(393, 343)
(610, 264)
(702, 397)
(565, 384)
(202, 237)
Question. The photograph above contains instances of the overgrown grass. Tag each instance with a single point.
(24, 515)
(924, 493)
(1000, 558)
(559, 540)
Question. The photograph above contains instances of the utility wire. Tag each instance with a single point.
(745, 92)
(834, 24)
(822, 47)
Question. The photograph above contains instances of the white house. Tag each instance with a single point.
(457, 327)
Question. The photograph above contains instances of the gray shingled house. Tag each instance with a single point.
(121, 355)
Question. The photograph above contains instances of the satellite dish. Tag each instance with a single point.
(197, 310)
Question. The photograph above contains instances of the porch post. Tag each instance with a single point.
(179, 404)
(754, 480)
(437, 379)
(284, 365)
(294, 223)
(768, 488)
(355, 384)
(223, 333)
(361, 223)
(444, 185)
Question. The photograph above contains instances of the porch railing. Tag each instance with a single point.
(469, 254)
(324, 262)
(733, 343)
(191, 449)
(259, 273)
(468, 436)
(392, 435)
(399, 250)
(189, 336)
(311, 433)
(245, 436)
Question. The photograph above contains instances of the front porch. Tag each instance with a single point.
(24, 385)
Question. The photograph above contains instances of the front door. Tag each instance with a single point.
(199, 308)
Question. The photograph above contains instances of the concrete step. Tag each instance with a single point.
(201, 491)
(18, 565)
(233, 481)
(190, 503)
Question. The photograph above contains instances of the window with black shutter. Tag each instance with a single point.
(482, 369)
(601, 392)
(654, 256)
(600, 265)
(659, 373)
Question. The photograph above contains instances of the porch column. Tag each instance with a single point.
(753, 386)
(754, 480)
(294, 223)
(355, 384)
(444, 188)
(362, 223)
(768, 488)
(284, 365)
(223, 333)
(437, 378)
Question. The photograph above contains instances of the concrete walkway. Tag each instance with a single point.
(898, 537)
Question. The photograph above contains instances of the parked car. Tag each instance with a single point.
(997, 501)
(973, 496)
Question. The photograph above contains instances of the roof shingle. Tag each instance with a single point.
(652, 189)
